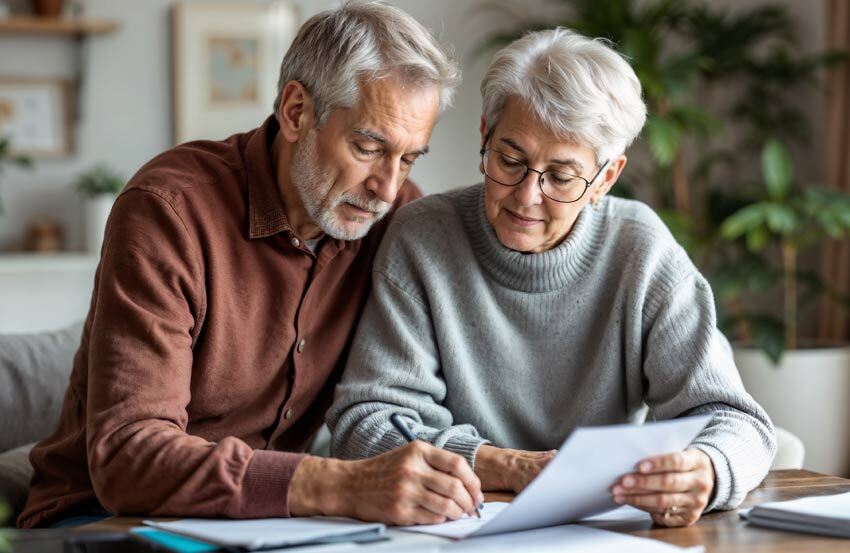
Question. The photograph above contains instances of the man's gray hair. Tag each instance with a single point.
(337, 50)
(577, 87)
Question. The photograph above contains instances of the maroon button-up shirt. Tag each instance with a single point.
(189, 360)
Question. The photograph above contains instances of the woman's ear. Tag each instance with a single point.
(296, 113)
(607, 178)
(483, 130)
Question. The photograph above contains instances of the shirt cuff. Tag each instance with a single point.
(265, 487)
(723, 484)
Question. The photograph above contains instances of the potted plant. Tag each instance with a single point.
(100, 185)
(803, 385)
(8, 157)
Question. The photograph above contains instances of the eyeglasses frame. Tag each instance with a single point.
(587, 183)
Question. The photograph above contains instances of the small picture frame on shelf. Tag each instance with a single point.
(35, 115)
(225, 60)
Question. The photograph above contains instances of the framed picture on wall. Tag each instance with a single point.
(225, 60)
(35, 115)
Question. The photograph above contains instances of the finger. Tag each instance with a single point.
(661, 502)
(692, 481)
(679, 461)
(439, 505)
(454, 464)
(450, 487)
(415, 515)
(680, 518)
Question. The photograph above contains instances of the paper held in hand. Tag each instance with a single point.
(577, 482)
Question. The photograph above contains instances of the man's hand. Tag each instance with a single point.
(673, 488)
(502, 469)
(415, 484)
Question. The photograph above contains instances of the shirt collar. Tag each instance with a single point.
(266, 214)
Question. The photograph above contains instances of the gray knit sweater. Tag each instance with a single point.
(477, 343)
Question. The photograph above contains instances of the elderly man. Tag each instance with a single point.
(231, 277)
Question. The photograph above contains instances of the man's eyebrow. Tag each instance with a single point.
(570, 161)
(377, 137)
(371, 135)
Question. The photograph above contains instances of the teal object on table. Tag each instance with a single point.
(177, 543)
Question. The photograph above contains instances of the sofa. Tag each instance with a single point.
(34, 372)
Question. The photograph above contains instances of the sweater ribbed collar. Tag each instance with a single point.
(536, 272)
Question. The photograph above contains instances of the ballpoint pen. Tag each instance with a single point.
(399, 424)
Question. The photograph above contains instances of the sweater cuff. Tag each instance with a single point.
(265, 487)
(466, 446)
(723, 484)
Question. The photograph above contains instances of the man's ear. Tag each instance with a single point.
(296, 113)
(608, 178)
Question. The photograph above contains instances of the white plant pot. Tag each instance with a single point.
(97, 210)
(808, 393)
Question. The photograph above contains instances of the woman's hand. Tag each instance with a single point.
(673, 488)
(501, 469)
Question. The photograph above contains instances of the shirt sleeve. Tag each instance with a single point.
(689, 370)
(148, 305)
(394, 367)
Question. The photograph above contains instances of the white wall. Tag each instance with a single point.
(126, 109)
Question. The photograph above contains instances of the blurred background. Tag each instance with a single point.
(745, 154)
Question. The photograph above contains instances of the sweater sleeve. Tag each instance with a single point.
(689, 370)
(148, 304)
(394, 367)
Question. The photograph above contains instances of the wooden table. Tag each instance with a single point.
(722, 532)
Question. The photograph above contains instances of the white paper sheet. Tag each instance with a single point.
(461, 527)
(572, 537)
(828, 515)
(625, 513)
(268, 532)
(577, 482)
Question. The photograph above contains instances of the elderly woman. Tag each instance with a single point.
(507, 314)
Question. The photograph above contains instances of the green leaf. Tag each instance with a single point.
(769, 336)
(743, 221)
(664, 137)
(781, 219)
(757, 239)
(777, 169)
(695, 119)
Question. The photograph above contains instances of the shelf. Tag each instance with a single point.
(56, 26)
(15, 263)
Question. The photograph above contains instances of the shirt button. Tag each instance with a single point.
(301, 345)
(295, 242)
(288, 414)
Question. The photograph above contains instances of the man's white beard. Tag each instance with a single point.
(313, 184)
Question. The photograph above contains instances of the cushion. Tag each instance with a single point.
(15, 475)
(34, 373)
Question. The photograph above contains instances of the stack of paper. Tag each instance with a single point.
(828, 515)
(272, 532)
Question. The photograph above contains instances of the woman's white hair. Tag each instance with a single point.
(579, 88)
(337, 50)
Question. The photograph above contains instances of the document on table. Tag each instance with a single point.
(572, 537)
(577, 482)
(828, 515)
(272, 532)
